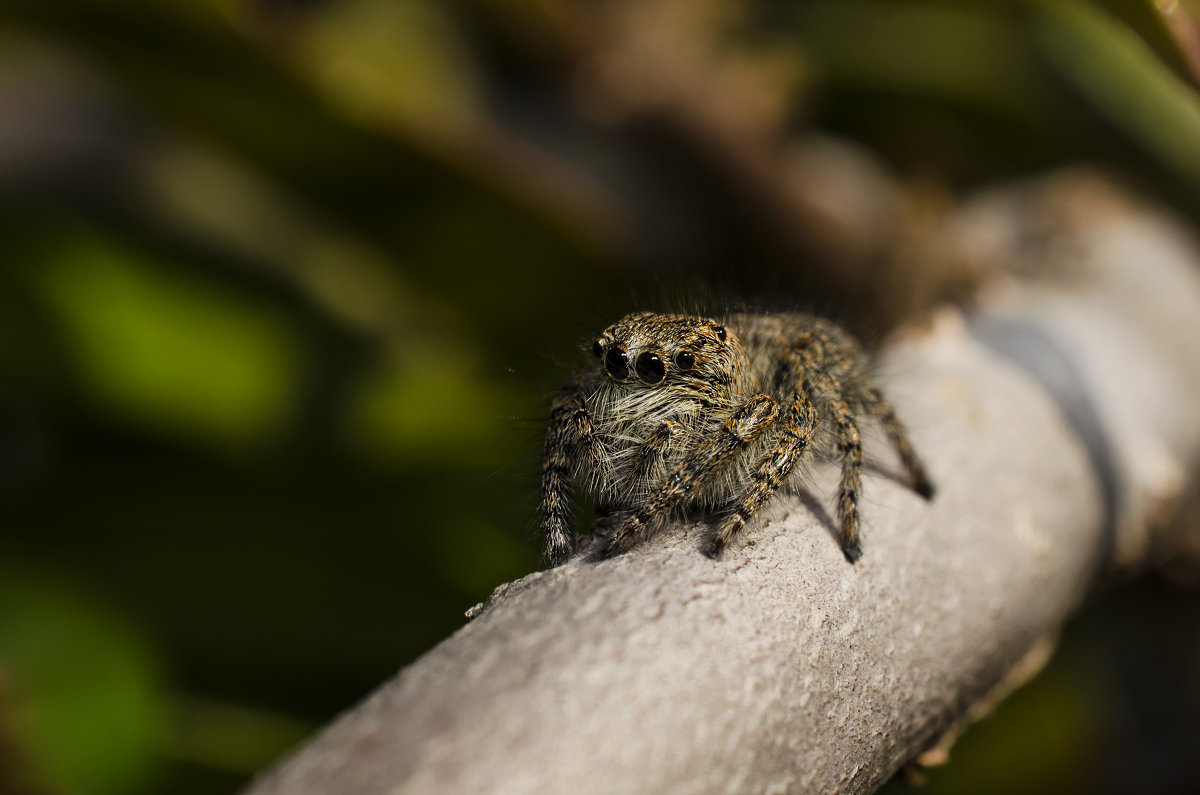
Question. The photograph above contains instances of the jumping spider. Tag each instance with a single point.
(686, 411)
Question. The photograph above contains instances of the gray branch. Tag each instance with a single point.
(1059, 422)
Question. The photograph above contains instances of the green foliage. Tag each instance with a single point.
(165, 349)
(82, 691)
(1125, 80)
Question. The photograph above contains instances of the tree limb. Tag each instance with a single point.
(1058, 423)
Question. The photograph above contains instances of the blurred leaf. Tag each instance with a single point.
(206, 194)
(89, 703)
(1124, 79)
(166, 350)
(398, 63)
(966, 53)
(429, 404)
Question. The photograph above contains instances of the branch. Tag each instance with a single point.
(1058, 423)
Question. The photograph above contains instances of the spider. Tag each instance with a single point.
(685, 411)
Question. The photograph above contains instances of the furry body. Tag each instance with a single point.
(685, 411)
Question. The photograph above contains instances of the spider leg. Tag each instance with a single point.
(570, 425)
(850, 452)
(798, 427)
(747, 424)
(655, 447)
(879, 406)
(649, 456)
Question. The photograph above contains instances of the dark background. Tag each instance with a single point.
(285, 286)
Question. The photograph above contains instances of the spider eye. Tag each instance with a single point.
(650, 367)
(684, 360)
(597, 349)
(616, 362)
(720, 332)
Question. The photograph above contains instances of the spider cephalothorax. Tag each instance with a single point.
(684, 410)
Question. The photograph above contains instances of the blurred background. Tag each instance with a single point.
(285, 286)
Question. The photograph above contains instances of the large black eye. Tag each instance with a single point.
(597, 349)
(684, 360)
(650, 367)
(720, 332)
(617, 363)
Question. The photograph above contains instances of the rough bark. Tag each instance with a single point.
(1059, 423)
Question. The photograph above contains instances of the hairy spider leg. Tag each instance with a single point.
(794, 438)
(655, 447)
(747, 424)
(850, 451)
(570, 424)
(880, 407)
